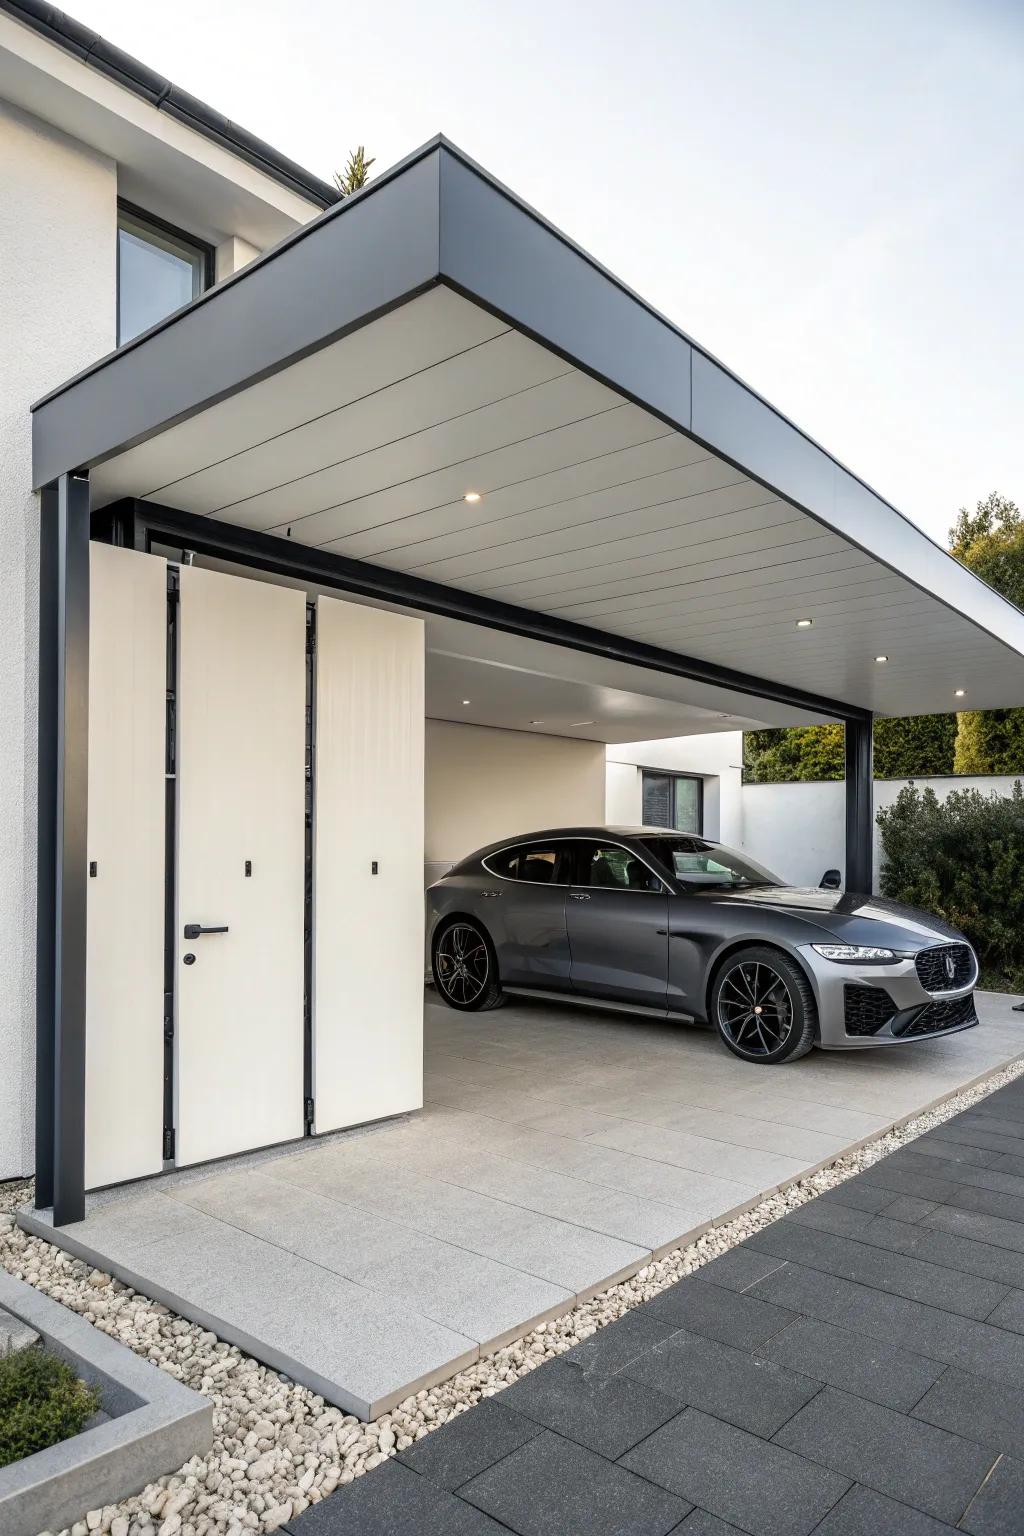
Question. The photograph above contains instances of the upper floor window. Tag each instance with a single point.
(159, 269)
(673, 800)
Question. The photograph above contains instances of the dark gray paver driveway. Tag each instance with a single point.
(856, 1369)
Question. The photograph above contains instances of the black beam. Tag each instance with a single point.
(63, 809)
(860, 827)
(285, 557)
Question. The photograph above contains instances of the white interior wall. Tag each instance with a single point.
(57, 276)
(483, 784)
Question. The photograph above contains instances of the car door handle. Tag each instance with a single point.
(194, 930)
(579, 895)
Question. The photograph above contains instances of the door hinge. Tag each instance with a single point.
(308, 1107)
(168, 1144)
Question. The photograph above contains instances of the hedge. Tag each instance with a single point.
(42, 1402)
(962, 858)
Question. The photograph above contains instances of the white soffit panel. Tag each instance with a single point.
(368, 865)
(589, 508)
(124, 1062)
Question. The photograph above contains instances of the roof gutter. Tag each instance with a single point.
(165, 96)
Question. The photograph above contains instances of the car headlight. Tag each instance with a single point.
(851, 953)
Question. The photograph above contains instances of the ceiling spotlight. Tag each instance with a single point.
(881, 658)
(536, 722)
(959, 692)
(804, 623)
(582, 722)
(465, 701)
(471, 497)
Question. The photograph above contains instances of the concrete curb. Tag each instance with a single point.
(154, 1426)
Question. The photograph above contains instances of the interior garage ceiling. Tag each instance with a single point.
(590, 508)
(479, 676)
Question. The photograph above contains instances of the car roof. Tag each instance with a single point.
(590, 831)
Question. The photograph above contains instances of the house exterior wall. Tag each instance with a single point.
(717, 757)
(484, 784)
(58, 278)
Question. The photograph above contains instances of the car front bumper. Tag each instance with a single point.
(899, 980)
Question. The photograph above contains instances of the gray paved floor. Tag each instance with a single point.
(856, 1369)
(558, 1150)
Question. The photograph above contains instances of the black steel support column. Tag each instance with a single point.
(860, 820)
(62, 847)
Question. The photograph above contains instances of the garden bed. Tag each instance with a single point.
(149, 1423)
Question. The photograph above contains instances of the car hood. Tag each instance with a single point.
(847, 916)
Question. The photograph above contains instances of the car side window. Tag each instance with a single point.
(535, 863)
(610, 867)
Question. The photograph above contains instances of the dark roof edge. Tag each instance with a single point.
(165, 96)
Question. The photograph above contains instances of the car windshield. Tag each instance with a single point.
(708, 866)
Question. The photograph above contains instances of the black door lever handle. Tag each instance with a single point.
(193, 930)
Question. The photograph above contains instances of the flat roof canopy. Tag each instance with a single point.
(432, 338)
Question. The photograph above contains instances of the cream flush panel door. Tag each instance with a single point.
(124, 1011)
(368, 865)
(241, 807)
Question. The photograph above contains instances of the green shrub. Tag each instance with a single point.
(962, 858)
(42, 1402)
(907, 748)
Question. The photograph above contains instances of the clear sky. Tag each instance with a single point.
(827, 194)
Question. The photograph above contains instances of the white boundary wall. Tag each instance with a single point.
(797, 830)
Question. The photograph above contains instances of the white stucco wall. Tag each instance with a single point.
(716, 757)
(484, 784)
(797, 830)
(58, 281)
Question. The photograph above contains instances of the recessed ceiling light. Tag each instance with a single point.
(959, 692)
(804, 623)
(471, 496)
(881, 658)
(465, 701)
(536, 722)
(583, 722)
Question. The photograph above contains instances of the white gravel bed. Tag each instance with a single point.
(278, 1447)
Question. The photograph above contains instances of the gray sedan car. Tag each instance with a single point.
(674, 926)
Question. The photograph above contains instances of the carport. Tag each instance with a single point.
(428, 405)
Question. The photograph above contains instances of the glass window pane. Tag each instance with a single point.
(657, 800)
(687, 809)
(616, 869)
(156, 274)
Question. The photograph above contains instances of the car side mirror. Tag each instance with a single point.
(831, 880)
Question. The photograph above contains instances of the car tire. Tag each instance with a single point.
(780, 1023)
(465, 967)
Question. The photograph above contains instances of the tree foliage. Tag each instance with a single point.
(962, 858)
(356, 173)
(915, 745)
(990, 542)
(904, 748)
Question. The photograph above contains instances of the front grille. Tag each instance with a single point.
(933, 1018)
(866, 1009)
(933, 971)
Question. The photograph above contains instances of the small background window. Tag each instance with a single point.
(673, 800)
(159, 270)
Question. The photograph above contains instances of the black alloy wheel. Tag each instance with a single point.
(762, 1007)
(465, 970)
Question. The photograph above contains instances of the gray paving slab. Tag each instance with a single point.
(916, 1463)
(966, 1255)
(977, 1408)
(731, 1384)
(552, 1487)
(606, 1413)
(611, 1348)
(883, 1268)
(468, 1444)
(996, 1511)
(882, 1373)
(863, 1512)
(396, 1502)
(740, 1319)
(476, 1296)
(761, 1487)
